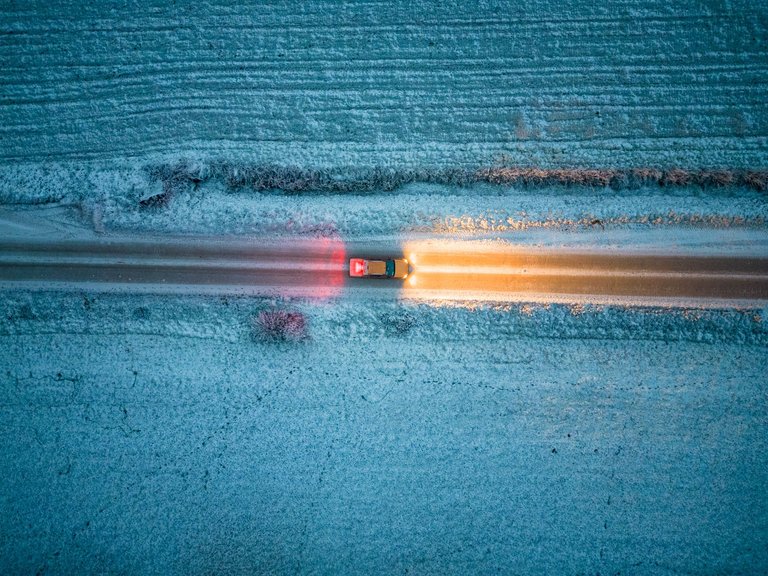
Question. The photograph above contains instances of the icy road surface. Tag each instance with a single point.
(441, 270)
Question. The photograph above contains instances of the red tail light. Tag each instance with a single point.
(356, 267)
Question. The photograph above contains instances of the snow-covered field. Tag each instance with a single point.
(164, 436)
(91, 90)
(167, 434)
(574, 83)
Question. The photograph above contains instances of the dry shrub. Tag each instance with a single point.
(357, 180)
(595, 177)
(398, 323)
(756, 180)
(645, 176)
(156, 201)
(716, 178)
(676, 177)
(541, 176)
(280, 326)
(174, 178)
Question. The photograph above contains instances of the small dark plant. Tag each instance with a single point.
(280, 326)
(174, 178)
(398, 324)
(757, 180)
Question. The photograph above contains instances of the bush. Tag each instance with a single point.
(280, 326)
(174, 178)
(757, 180)
(397, 323)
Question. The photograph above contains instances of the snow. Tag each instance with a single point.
(595, 440)
(227, 318)
(420, 208)
(513, 213)
(163, 434)
(90, 92)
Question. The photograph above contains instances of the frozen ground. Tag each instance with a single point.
(90, 91)
(520, 439)
(145, 434)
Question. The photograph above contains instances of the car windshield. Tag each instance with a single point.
(390, 267)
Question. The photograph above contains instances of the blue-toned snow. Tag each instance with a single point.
(143, 435)
(161, 435)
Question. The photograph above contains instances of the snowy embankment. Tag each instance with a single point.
(229, 318)
(413, 210)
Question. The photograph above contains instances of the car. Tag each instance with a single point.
(389, 268)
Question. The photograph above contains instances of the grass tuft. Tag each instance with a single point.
(280, 326)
